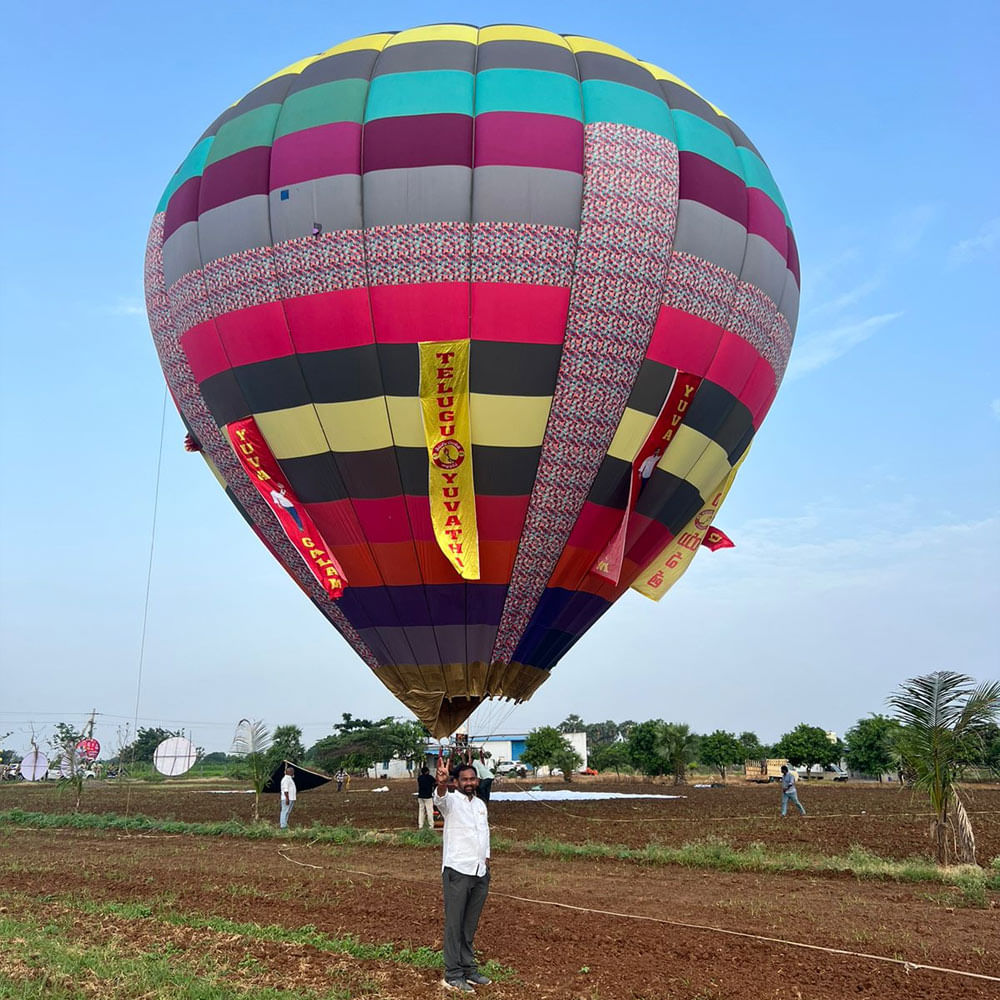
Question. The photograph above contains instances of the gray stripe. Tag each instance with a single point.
(411, 57)
(703, 232)
(272, 92)
(527, 194)
(681, 99)
(409, 195)
(343, 66)
(181, 253)
(239, 225)
(513, 54)
(764, 267)
(603, 66)
(788, 304)
(333, 202)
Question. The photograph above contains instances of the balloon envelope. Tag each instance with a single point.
(473, 325)
(174, 755)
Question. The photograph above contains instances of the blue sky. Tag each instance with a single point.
(866, 518)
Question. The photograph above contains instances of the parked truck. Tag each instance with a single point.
(765, 769)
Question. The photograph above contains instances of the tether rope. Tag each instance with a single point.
(906, 965)
(145, 606)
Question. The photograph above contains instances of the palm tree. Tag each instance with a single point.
(677, 745)
(253, 741)
(939, 711)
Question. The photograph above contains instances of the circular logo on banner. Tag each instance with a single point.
(89, 748)
(703, 519)
(448, 454)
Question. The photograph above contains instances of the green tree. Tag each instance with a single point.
(252, 742)
(142, 748)
(286, 744)
(720, 749)
(869, 745)
(645, 748)
(807, 745)
(939, 711)
(572, 724)
(679, 748)
(611, 756)
(358, 744)
(546, 746)
(751, 747)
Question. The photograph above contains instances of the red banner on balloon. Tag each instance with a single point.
(609, 563)
(262, 468)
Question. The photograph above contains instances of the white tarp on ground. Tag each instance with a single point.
(560, 795)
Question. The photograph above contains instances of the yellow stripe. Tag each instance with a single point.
(580, 43)
(696, 458)
(520, 33)
(436, 33)
(292, 433)
(509, 421)
(376, 42)
(661, 74)
(633, 429)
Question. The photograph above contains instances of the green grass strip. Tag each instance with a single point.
(711, 853)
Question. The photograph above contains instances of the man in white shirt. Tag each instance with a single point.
(465, 874)
(287, 796)
(789, 792)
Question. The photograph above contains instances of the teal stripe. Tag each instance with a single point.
(426, 92)
(336, 101)
(193, 165)
(531, 90)
(607, 101)
(254, 128)
(758, 176)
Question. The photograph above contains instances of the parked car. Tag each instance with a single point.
(588, 770)
(818, 771)
(509, 769)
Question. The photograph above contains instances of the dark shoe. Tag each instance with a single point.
(458, 985)
(478, 979)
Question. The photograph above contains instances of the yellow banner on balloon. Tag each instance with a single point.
(444, 402)
(673, 561)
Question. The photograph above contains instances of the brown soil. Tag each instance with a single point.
(587, 929)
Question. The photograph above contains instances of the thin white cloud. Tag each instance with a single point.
(984, 242)
(126, 307)
(816, 350)
(844, 300)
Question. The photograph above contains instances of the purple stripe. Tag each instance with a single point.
(182, 207)
(766, 219)
(433, 604)
(417, 141)
(520, 139)
(323, 151)
(705, 181)
(237, 176)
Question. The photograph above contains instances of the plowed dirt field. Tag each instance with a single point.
(579, 928)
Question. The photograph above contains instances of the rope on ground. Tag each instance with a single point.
(906, 965)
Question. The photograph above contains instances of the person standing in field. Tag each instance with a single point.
(340, 776)
(465, 874)
(287, 796)
(485, 774)
(789, 792)
(425, 801)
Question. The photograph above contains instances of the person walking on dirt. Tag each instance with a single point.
(425, 802)
(465, 874)
(287, 796)
(340, 776)
(788, 791)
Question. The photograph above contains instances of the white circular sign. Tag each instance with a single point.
(174, 756)
(34, 766)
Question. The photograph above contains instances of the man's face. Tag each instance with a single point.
(468, 781)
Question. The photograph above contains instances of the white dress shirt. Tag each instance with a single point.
(466, 833)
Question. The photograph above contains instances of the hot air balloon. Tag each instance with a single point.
(474, 326)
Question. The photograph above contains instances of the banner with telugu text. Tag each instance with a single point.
(262, 468)
(672, 562)
(444, 402)
(678, 400)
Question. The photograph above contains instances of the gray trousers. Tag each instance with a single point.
(464, 896)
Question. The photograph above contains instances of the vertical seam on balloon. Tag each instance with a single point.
(501, 632)
(355, 528)
(371, 313)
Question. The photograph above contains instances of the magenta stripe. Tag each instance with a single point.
(182, 207)
(520, 139)
(767, 220)
(237, 176)
(323, 151)
(417, 141)
(793, 257)
(705, 181)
